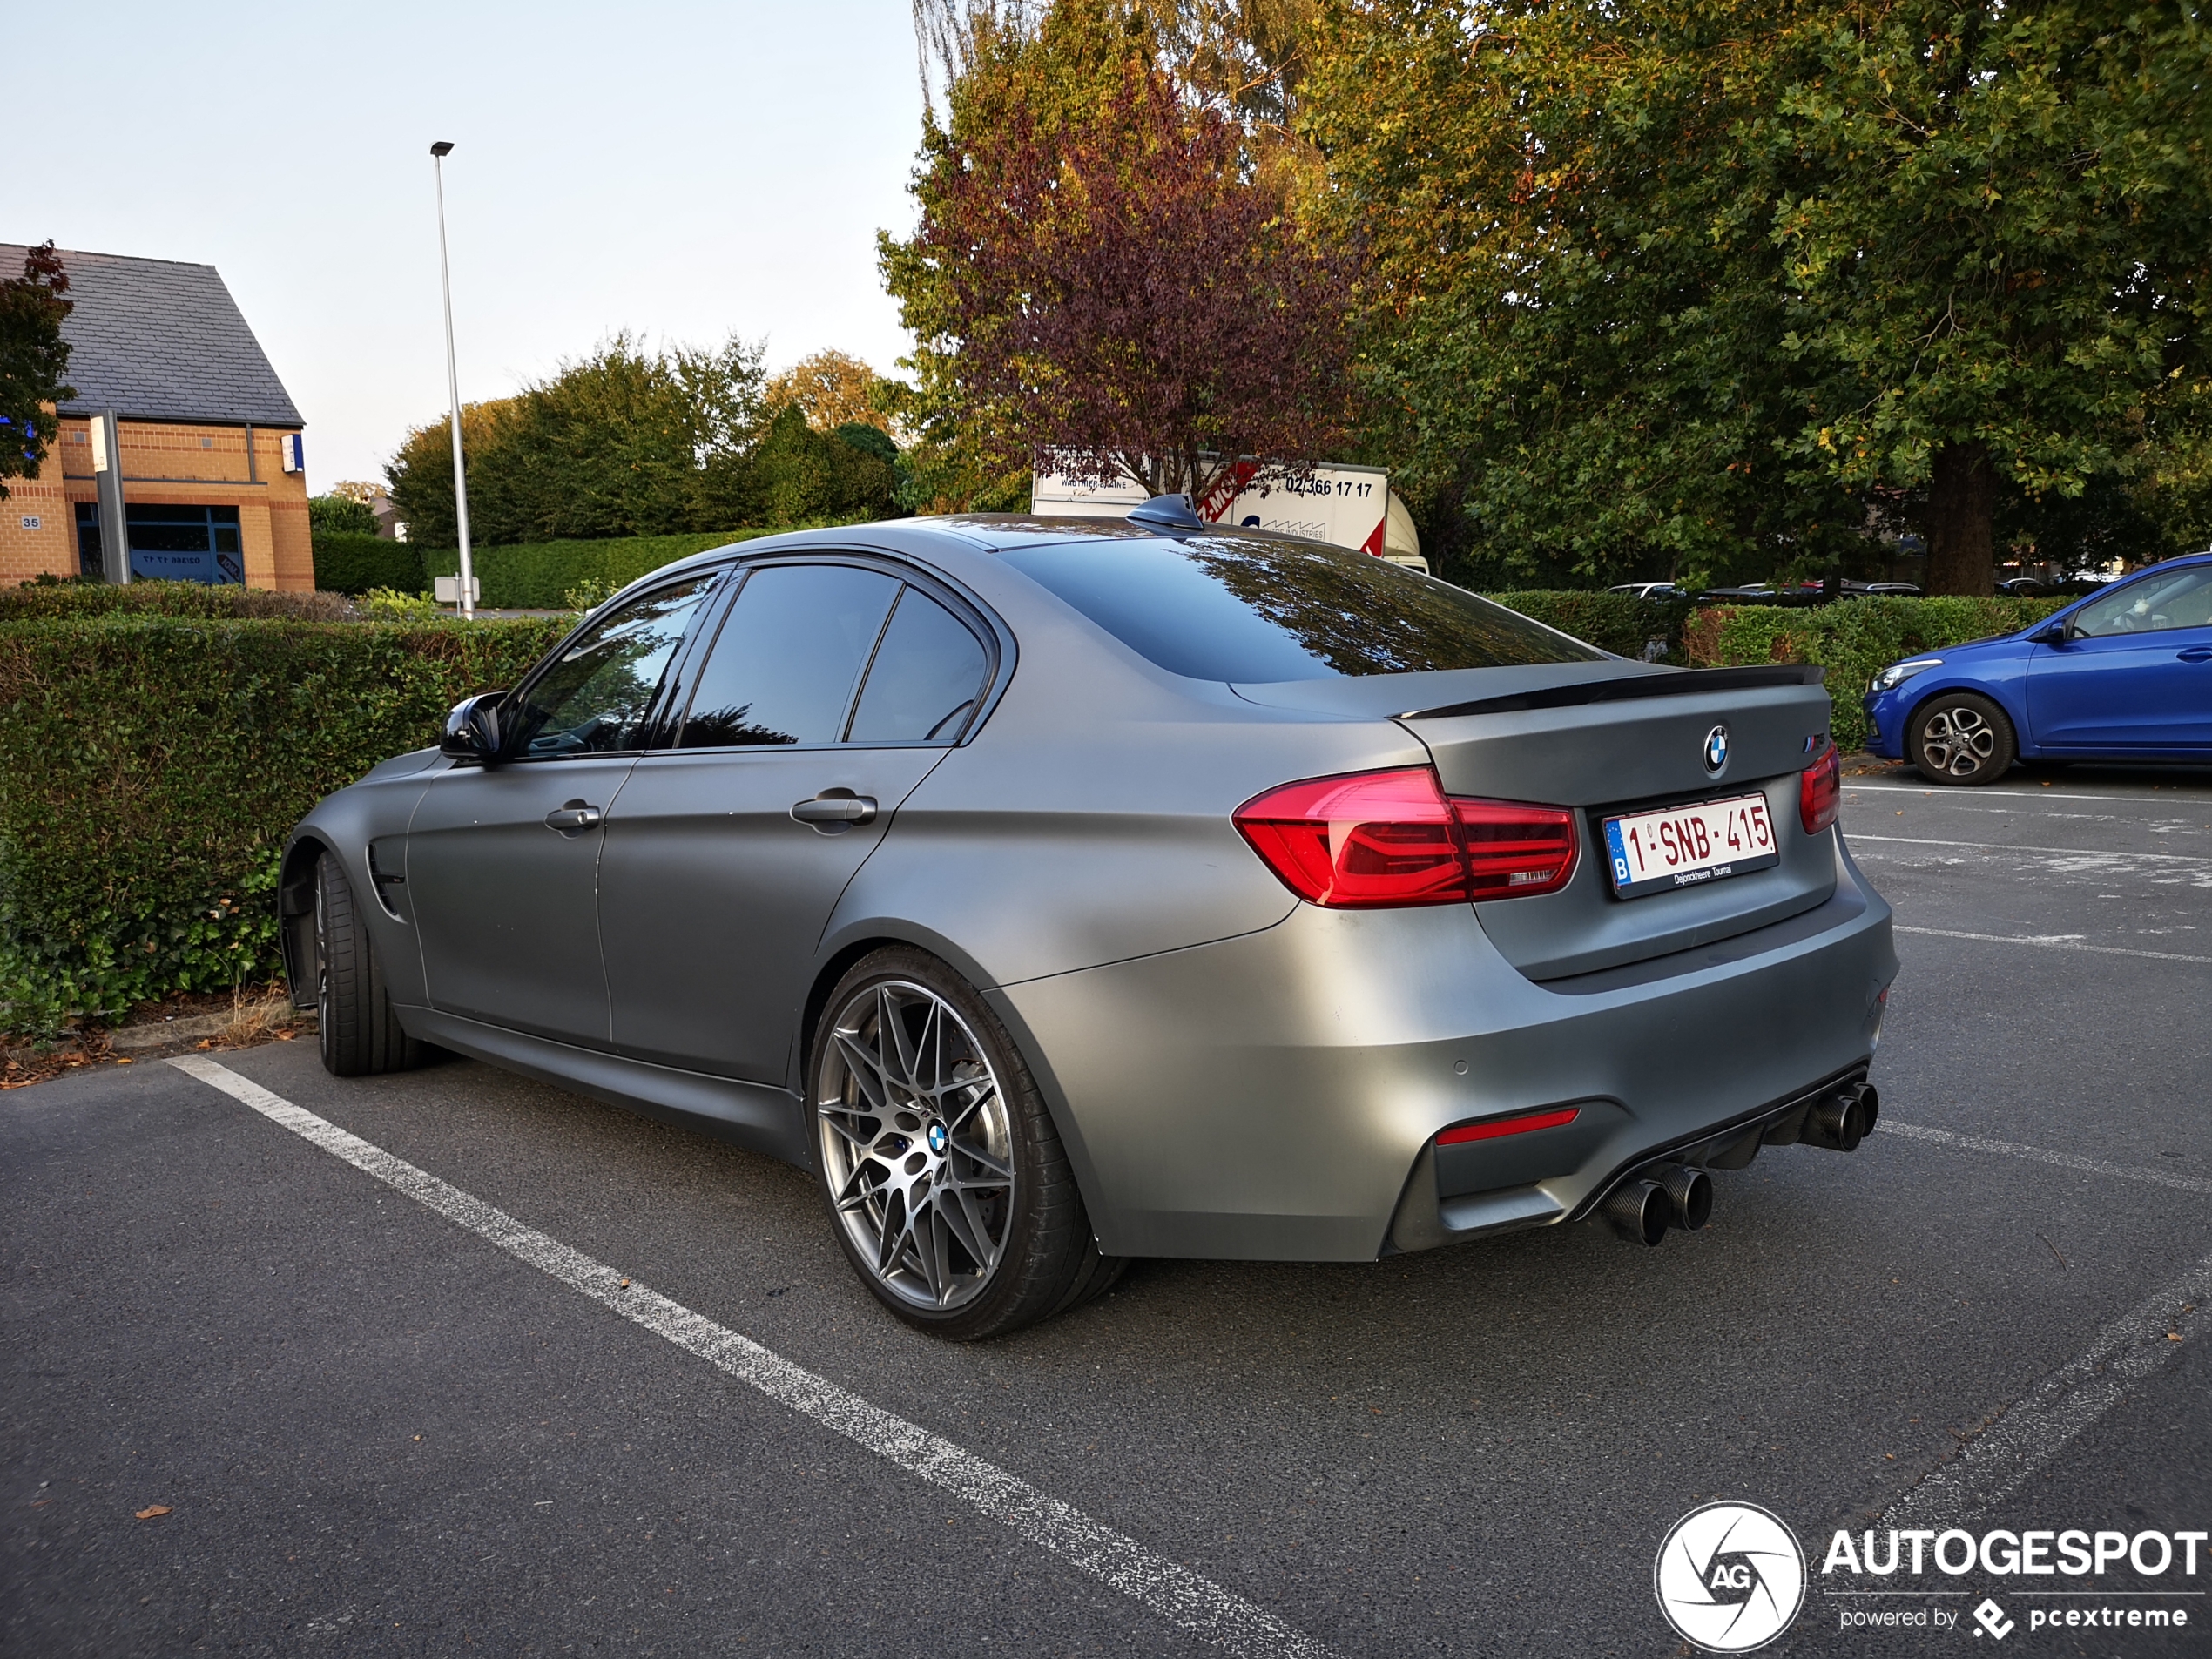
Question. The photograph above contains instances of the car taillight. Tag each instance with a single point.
(1377, 840)
(1819, 787)
(1499, 1126)
(1513, 850)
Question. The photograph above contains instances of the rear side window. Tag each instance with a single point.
(783, 669)
(926, 679)
(1225, 607)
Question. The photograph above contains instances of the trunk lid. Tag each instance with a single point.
(1604, 739)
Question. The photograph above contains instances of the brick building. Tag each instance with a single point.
(207, 438)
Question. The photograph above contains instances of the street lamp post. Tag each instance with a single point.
(439, 151)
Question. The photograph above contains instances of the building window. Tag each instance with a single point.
(168, 542)
(88, 537)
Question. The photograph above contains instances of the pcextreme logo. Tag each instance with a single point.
(1729, 1577)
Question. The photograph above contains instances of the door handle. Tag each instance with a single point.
(573, 818)
(2197, 654)
(835, 807)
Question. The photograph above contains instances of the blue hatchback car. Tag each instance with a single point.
(2125, 674)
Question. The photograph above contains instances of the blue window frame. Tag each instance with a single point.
(169, 542)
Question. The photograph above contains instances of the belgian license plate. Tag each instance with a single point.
(1683, 847)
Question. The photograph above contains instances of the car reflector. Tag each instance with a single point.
(1381, 838)
(1499, 1126)
(1820, 786)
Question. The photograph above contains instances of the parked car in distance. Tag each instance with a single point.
(1061, 891)
(2122, 674)
(1646, 590)
(1900, 589)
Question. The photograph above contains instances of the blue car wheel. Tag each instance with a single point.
(1960, 738)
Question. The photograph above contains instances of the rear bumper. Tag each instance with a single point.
(1275, 1097)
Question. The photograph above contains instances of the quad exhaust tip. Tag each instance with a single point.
(1643, 1211)
(1842, 1120)
(1668, 1196)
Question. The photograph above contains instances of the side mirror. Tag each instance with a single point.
(2052, 633)
(472, 729)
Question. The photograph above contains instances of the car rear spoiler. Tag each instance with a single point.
(1689, 682)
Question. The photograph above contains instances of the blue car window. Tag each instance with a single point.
(2153, 604)
(595, 697)
(926, 677)
(1255, 609)
(783, 669)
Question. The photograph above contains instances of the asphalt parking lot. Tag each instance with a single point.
(375, 1429)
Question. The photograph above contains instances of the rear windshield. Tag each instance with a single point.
(1256, 609)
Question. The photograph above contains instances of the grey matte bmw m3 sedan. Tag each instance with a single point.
(1066, 891)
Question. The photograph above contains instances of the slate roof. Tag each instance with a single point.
(158, 339)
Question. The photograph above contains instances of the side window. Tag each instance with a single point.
(597, 694)
(2183, 599)
(925, 678)
(783, 669)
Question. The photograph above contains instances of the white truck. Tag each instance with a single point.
(1351, 506)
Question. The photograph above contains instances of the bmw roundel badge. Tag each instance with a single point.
(1717, 750)
(937, 1138)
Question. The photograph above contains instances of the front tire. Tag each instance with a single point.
(947, 1182)
(1962, 739)
(358, 1032)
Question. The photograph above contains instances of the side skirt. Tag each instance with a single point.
(758, 1117)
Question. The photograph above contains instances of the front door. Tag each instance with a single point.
(829, 693)
(2135, 674)
(502, 860)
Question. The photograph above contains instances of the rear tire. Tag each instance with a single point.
(359, 1034)
(1960, 739)
(946, 1184)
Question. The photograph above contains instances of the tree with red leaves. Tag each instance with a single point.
(1128, 296)
(33, 359)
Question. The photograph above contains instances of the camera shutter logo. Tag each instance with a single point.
(1730, 1578)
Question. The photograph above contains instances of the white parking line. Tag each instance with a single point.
(1185, 1598)
(2174, 1178)
(1962, 798)
(2050, 941)
(1990, 1467)
(2063, 852)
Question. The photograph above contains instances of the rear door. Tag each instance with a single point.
(502, 860)
(2135, 673)
(831, 688)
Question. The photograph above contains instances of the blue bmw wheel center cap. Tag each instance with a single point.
(938, 1138)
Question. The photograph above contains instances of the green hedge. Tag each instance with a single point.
(151, 765)
(207, 600)
(1852, 637)
(537, 576)
(355, 563)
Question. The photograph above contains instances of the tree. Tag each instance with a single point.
(34, 358)
(1996, 260)
(1706, 287)
(1137, 303)
(1087, 83)
(336, 515)
(831, 388)
(626, 441)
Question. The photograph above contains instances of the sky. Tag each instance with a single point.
(689, 172)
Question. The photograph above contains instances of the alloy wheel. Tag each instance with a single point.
(916, 1144)
(1957, 741)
